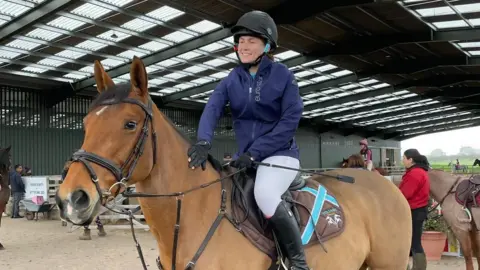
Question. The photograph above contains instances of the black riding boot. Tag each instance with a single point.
(289, 237)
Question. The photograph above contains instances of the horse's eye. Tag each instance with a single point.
(130, 125)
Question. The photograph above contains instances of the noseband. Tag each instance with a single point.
(124, 172)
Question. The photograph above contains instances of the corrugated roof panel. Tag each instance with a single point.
(51, 62)
(195, 69)
(111, 63)
(88, 69)
(177, 36)
(75, 76)
(8, 54)
(43, 34)
(138, 25)
(66, 23)
(34, 69)
(286, 55)
(21, 44)
(165, 13)
(153, 46)
(201, 81)
(189, 55)
(175, 75)
(213, 47)
(220, 75)
(325, 68)
(118, 3)
(204, 26)
(91, 11)
(70, 54)
(130, 54)
(216, 62)
(12, 9)
(91, 45)
(167, 63)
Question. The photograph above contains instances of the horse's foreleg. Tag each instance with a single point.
(475, 238)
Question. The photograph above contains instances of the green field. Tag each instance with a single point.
(443, 164)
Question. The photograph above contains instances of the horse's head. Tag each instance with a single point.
(118, 145)
(344, 162)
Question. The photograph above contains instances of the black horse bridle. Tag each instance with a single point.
(130, 163)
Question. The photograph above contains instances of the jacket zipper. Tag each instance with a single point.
(251, 106)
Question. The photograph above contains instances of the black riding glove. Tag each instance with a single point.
(198, 155)
(245, 161)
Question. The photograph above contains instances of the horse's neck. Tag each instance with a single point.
(171, 174)
(441, 186)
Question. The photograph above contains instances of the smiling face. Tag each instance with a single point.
(250, 48)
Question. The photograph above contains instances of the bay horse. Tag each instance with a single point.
(5, 162)
(121, 145)
(443, 187)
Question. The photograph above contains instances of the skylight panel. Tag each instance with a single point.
(189, 55)
(138, 25)
(118, 3)
(177, 36)
(286, 55)
(183, 86)
(21, 44)
(303, 83)
(168, 62)
(130, 54)
(65, 23)
(91, 45)
(325, 68)
(165, 13)
(232, 56)
(74, 76)
(203, 26)
(168, 90)
(8, 54)
(381, 85)
(320, 79)
(12, 9)
(474, 52)
(91, 11)
(158, 81)
(195, 69)
(216, 62)
(175, 75)
(341, 73)
(469, 44)
(111, 62)
(87, 69)
(51, 62)
(43, 34)
(202, 80)
(2, 21)
(367, 82)
(154, 46)
(70, 54)
(213, 47)
(304, 73)
(220, 75)
(34, 69)
(450, 24)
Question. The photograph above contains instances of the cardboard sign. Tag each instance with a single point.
(36, 186)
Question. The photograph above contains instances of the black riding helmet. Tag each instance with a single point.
(256, 23)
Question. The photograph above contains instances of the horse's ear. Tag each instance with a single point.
(139, 77)
(103, 80)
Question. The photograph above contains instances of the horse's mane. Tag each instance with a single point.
(121, 91)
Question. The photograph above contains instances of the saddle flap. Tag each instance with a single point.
(475, 179)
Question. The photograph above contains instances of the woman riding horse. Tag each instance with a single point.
(266, 108)
(366, 154)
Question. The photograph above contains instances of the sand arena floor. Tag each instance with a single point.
(47, 245)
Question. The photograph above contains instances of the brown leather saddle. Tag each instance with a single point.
(467, 192)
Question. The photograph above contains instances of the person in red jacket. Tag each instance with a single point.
(415, 186)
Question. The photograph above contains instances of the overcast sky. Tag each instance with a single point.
(448, 141)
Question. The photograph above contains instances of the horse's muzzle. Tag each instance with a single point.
(78, 208)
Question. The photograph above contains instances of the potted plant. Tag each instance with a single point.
(434, 234)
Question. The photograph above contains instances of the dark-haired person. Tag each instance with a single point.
(415, 186)
(18, 189)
